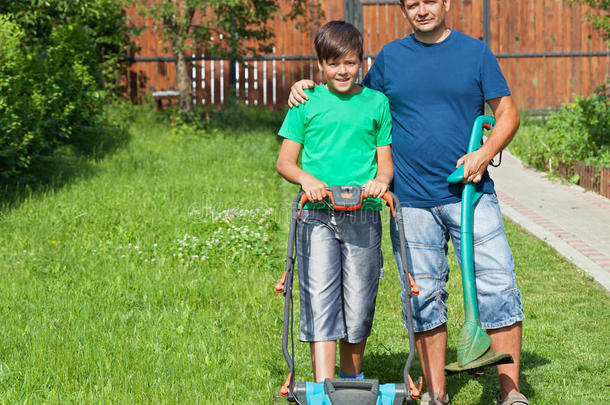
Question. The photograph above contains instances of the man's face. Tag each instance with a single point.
(425, 15)
(340, 74)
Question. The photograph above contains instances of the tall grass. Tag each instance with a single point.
(150, 280)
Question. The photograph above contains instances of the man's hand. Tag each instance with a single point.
(313, 188)
(297, 95)
(475, 164)
(374, 189)
(507, 123)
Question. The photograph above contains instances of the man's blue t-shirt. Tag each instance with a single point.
(436, 91)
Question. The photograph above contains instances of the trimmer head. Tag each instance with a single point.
(488, 359)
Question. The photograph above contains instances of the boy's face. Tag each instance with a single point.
(425, 15)
(340, 74)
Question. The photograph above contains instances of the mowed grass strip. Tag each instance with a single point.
(151, 281)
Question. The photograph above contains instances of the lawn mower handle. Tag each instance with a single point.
(346, 198)
(285, 284)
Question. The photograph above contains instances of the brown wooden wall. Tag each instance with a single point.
(519, 28)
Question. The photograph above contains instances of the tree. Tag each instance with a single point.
(602, 21)
(221, 28)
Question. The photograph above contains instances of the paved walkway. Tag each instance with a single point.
(575, 222)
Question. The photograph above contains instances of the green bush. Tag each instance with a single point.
(578, 131)
(46, 93)
(58, 67)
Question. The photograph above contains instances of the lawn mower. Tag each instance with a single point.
(474, 344)
(343, 391)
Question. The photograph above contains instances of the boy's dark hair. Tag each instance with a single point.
(336, 38)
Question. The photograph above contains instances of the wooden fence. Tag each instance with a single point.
(546, 49)
(589, 177)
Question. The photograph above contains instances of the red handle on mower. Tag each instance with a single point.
(346, 198)
(415, 391)
(279, 286)
(285, 390)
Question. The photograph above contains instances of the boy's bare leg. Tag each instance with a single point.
(431, 346)
(323, 358)
(507, 340)
(351, 357)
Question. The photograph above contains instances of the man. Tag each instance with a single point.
(437, 81)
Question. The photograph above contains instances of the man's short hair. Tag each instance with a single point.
(337, 38)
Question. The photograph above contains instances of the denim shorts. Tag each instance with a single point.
(427, 232)
(339, 263)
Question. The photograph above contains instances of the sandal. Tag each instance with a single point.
(514, 398)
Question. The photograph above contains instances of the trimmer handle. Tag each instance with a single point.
(482, 122)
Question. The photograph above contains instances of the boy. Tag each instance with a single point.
(345, 133)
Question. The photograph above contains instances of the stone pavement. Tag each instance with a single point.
(573, 221)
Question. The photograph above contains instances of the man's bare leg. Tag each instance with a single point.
(351, 357)
(431, 346)
(507, 340)
(323, 357)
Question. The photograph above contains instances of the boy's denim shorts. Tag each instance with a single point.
(427, 231)
(339, 263)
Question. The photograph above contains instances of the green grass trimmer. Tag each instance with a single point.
(474, 344)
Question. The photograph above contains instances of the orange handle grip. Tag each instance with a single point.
(279, 286)
(415, 391)
(302, 202)
(414, 287)
(285, 390)
(388, 198)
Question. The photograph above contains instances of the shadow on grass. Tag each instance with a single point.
(388, 368)
(65, 165)
(489, 380)
(233, 119)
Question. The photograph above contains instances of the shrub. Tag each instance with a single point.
(46, 93)
(578, 131)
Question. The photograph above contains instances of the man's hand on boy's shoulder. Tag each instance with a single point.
(297, 92)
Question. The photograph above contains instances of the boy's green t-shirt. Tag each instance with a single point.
(340, 134)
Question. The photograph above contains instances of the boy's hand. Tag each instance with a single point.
(374, 189)
(297, 95)
(314, 189)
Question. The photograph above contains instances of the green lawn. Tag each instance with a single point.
(146, 276)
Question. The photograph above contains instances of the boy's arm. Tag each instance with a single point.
(297, 93)
(385, 172)
(287, 166)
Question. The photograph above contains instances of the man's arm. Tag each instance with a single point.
(507, 123)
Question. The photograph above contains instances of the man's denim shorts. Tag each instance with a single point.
(339, 262)
(427, 231)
